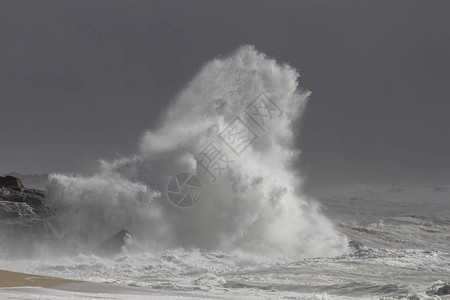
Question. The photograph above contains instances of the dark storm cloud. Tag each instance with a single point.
(81, 80)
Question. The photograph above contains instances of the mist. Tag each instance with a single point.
(253, 204)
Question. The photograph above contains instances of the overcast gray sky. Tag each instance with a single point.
(82, 80)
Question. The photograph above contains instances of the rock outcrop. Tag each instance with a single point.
(24, 215)
(114, 244)
(11, 182)
(12, 190)
(25, 218)
(36, 181)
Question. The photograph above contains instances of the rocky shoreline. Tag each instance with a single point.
(26, 219)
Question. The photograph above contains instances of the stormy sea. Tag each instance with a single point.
(212, 207)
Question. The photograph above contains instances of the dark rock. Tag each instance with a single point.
(12, 190)
(37, 181)
(114, 244)
(24, 215)
(14, 210)
(356, 245)
(11, 182)
(443, 290)
(8, 211)
(35, 192)
(34, 200)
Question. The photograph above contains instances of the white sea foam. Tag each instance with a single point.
(255, 206)
(245, 235)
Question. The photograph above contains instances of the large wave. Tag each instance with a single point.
(245, 107)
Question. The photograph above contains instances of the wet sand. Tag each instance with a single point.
(15, 279)
(32, 287)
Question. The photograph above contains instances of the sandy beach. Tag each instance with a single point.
(30, 286)
(15, 279)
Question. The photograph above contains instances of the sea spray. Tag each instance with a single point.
(254, 205)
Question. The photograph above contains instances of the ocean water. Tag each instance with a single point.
(402, 253)
(246, 230)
